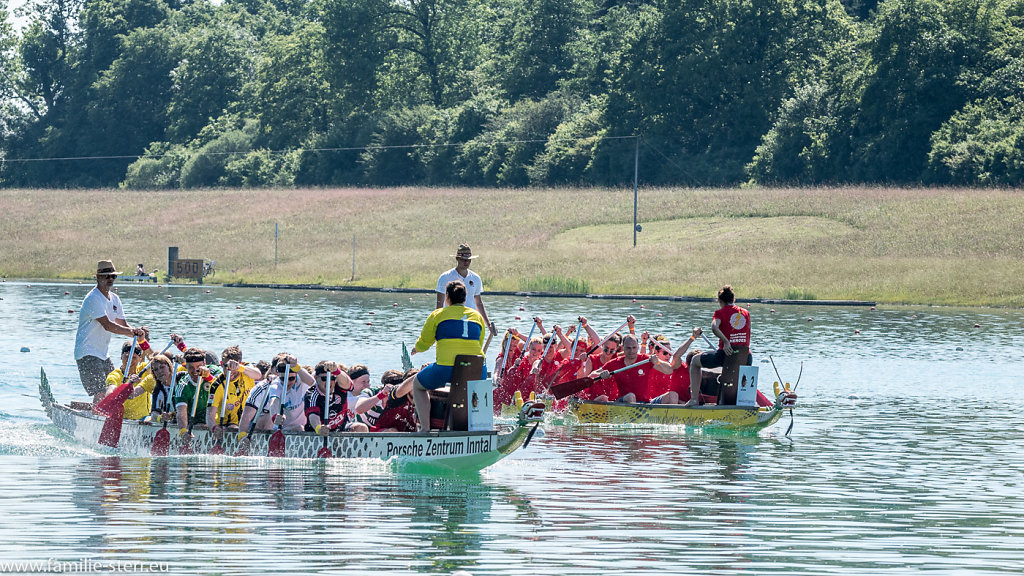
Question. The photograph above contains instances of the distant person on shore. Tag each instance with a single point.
(457, 329)
(101, 315)
(140, 270)
(474, 285)
(732, 326)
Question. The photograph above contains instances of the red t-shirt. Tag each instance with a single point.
(547, 373)
(604, 387)
(658, 383)
(734, 322)
(595, 361)
(569, 370)
(631, 381)
(681, 382)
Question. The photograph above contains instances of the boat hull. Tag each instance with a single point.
(459, 450)
(723, 417)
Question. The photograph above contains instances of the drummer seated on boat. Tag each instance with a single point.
(243, 378)
(732, 326)
(457, 330)
(632, 384)
(192, 388)
(264, 401)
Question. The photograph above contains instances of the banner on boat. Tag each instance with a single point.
(438, 447)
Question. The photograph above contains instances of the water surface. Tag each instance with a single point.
(907, 454)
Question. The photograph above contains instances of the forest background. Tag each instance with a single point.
(189, 93)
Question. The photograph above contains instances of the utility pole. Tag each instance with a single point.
(636, 179)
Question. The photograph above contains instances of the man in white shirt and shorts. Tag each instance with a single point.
(474, 285)
(101, 316)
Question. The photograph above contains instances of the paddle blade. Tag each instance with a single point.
(110, 435)
(324, 452)
(115, 399)
(563, 389)
(217, 450)
(161, 443)
(275, 449)
(243, 448)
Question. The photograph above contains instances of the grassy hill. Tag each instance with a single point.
(937, 246)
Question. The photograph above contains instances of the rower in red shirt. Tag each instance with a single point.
(544, 368)
(631, 385)
(671, 374)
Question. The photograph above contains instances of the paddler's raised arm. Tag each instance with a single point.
(677, 358)
(591, 333)
(428, 334)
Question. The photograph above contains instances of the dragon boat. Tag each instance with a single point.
(739, 418)
(455, 450)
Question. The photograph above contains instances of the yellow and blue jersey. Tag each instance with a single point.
(456, 329)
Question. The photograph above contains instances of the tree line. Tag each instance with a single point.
(189, 93)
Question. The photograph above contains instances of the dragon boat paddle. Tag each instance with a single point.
(162, 440)
(218, 448)
(244, 441)
(540, 366)
(325, 451)
(276, 445)
(113, 405)
(607, 338)
(526, 347)
(571, 359)
(571, 387)
(504, 355)
(186, 445)
(705, 337)
(109, 402)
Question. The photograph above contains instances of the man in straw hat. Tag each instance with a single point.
(101, 316)
(474, 286)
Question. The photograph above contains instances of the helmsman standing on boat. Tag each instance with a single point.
(471, 280)
(101, 315)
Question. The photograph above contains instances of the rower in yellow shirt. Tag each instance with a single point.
(137, 405)
(243, 378)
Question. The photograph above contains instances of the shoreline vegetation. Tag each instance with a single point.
(942, 246)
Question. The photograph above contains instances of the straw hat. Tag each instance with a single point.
(104, 267)
(465, 252)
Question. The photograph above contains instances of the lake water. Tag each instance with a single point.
(907, 455)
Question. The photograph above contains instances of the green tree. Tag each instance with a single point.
(293, 95)
(926, 57)
(536, 50)
(130, 99)
(983, 144)
(703, 83)
(214, 61)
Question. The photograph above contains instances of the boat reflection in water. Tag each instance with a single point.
(325, 514)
